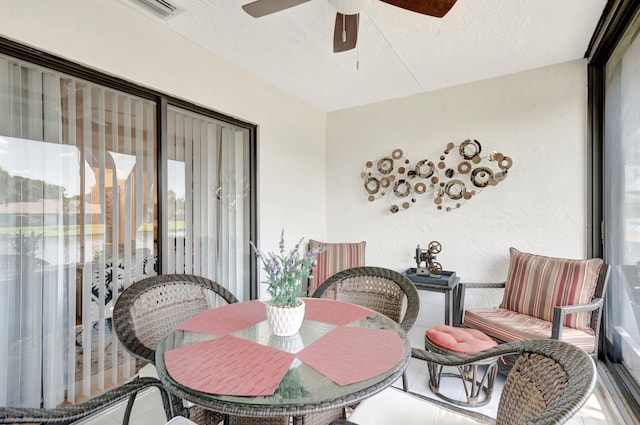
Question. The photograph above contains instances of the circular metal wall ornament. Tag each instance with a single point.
(372, 185)
(464, 167)
(425, 168)
(406, 205)
(470, 149)
(505, 163)
(495, 156)
(449, 172)
(369, 164)
(420, 188)
(480, 176)
(385, 165)
(402, 188)
(499, 176)
(394, 208)
(455, 189)
(384, 182)
(397, 154)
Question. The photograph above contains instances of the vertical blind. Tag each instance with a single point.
(79, 182)
(208, 186)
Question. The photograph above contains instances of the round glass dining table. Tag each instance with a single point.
(228, 360)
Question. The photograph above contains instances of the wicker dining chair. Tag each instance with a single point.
(550, 381)
(76, 412)
(379, 289)
(152, 308)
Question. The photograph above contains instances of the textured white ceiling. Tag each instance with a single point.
(399, 52)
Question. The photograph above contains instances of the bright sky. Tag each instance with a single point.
(51, 162)
(60, 164)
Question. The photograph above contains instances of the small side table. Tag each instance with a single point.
(444, 339)
(446, 286)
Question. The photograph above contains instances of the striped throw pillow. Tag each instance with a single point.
(334, 258)
(536, 284)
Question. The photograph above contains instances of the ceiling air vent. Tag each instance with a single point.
(160, 7)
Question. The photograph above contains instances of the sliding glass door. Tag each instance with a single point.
(88, 207)
(621, 203)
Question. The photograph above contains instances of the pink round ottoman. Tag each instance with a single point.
(444, 339)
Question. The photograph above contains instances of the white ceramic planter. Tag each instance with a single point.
(285, 321)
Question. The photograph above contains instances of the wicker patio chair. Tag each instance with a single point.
(150, 309)
(379, 289)
(76, 412)
(550, 381)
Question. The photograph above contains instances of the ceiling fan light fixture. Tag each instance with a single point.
(350, 7)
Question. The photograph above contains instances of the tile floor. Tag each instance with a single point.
(598, 410)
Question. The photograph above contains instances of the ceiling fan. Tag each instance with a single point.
(345, 33)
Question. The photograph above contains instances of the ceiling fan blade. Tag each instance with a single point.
(345, 32)
(261, 8)
(437, 8)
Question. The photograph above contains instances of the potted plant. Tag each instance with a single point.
(285, 272)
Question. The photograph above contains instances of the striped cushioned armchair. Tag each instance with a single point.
(544, 297)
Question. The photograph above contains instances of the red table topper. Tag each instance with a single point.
(347, 354)
(229, 365)
(334, 312)
(227, 319)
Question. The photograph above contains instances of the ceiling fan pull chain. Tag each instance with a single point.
(344, 28)
(358, 45)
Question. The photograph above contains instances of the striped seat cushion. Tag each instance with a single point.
(536, 284)
(334, 258)
(508, 326)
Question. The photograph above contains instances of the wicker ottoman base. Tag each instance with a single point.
(477, 378)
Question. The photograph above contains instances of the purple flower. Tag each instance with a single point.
(286, 271)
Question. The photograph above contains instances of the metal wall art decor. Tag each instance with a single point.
(428, 256)
(459, 175)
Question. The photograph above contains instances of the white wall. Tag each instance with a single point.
(537, 117)
(109, 36)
